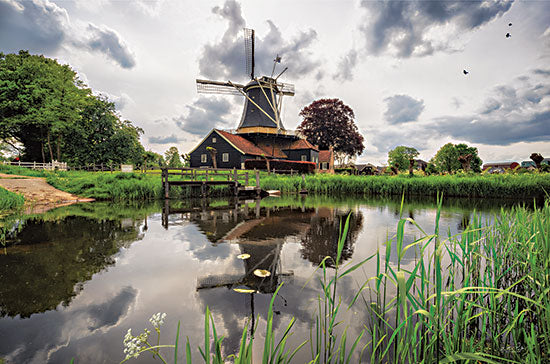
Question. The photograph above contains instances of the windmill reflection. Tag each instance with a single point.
(261, 232)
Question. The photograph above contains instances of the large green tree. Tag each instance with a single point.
(400, 157)
(48, 111)
(330, 123)
(447, 158)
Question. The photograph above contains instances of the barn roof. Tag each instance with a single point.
(241, 144)
(301, 144)
(324, 155)
(272, 150)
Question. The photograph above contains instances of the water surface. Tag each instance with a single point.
(74, 280)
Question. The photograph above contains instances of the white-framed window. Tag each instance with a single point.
(225, 157)
(324, 165)
(203, 158)
(213, 139)
(304, 158)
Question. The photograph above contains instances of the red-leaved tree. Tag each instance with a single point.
(330, 122)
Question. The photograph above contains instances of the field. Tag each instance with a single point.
(137, 186)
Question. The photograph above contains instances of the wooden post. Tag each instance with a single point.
(257, 178)
(166, 183)
(246, 179)
(235, 175)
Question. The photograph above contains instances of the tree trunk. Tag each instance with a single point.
(42, 150)
(59, 148)
(50, 147)
(411, 166)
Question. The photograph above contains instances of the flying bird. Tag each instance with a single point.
(508, 35)
(509, 24)
(465, 72)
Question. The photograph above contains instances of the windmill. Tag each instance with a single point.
(263, 96)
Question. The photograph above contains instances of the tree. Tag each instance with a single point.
(329, 122)
(172, 158)
(47, 110)
(537, 158)
(401, 156)
(469, 163)
(213, 152)
(446, 159)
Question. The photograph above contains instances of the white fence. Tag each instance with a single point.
(36, 165)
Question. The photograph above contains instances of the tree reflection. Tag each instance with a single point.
(321, 239)
(52, 259)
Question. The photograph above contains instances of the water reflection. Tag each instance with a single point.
(73, 281)
(48, 261)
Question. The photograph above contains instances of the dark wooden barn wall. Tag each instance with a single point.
(222, 146)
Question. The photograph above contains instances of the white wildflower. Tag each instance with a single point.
(157, 319)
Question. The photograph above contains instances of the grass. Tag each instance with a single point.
(481, 296)
(459, 185)
(10, 201)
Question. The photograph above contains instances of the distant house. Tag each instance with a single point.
(499, 167)
(527, 164)
(367, 169)
(421, 164)
(326, 161)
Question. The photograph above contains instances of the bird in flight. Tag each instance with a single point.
(509, 24)
(508, 35)
(465, 72)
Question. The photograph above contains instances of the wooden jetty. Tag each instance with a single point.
(203, 178)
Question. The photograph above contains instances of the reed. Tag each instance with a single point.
(459, 185)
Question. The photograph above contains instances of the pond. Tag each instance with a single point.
(74, 280)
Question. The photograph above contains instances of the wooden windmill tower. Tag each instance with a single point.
(263, 96)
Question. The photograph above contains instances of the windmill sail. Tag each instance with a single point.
(249, 51)
(217, 87)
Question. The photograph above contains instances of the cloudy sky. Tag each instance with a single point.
(398, 64)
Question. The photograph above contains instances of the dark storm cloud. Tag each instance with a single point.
(37, 26)
(226, 58)
(402, 109)
(346, 66)
(41, 26)
(541, 72)
(404, 26)
(204, 114)
(497, 132)
(108, 42)
(511, 114)
(171, 139)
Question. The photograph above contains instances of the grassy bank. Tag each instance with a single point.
(9, 201)
(479, 297)
(460, 185)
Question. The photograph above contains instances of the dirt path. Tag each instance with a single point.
(39, 195)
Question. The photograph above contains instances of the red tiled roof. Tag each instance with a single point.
(302, 144)
(324, 156)
(244, 145)
(272, 150)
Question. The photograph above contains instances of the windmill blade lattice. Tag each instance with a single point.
(249, 51)
(216, 87)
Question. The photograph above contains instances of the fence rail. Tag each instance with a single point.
(36, 165)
